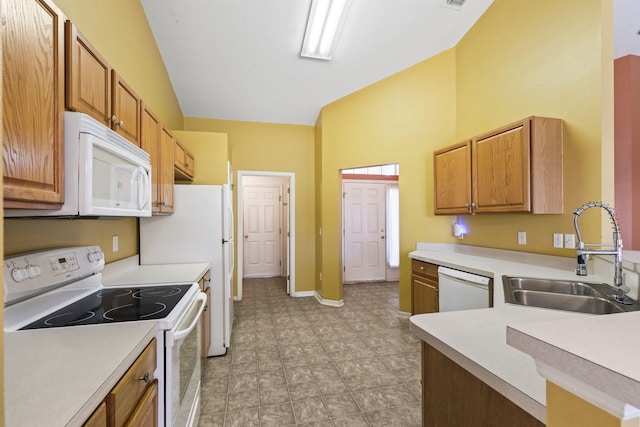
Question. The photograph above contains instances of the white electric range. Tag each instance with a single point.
(63, 288)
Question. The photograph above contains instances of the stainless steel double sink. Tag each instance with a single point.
(584, 297)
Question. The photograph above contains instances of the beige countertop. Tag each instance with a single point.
(128, 271)
(57, 377)
(477, 339)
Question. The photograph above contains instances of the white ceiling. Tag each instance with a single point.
(239, 59)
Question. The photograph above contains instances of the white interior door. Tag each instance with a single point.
(364, 231)
(261, 226)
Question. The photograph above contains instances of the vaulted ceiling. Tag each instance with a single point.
(240, 59)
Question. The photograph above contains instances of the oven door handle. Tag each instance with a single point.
(177, 335)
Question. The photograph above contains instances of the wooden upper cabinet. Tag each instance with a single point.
(150, 142)
(88, 86)
(96, 89)
(184, 163)
(501, 169)
(452, 178)
(125, 119)
(516, 168)
(167, 156)
(32, 104)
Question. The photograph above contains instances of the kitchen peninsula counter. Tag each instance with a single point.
(58, 377)
(477, 339)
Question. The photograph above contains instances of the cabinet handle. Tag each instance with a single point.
(121, 123)
(421, 268)
(145, 377)
(113, 118)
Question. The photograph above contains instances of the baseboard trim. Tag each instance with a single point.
(304, 294)
(329, 302)
(404, 314)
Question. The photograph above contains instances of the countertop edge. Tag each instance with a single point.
(94, 401)
(524, 401)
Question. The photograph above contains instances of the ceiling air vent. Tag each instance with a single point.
(454, 4)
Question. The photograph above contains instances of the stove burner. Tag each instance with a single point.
(118, 304)
(129, 312)
(163, 292)
(68, 319)
(114, 293)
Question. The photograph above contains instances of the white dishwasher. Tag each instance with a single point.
(459, 290)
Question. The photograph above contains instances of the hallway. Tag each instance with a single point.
(294, 361)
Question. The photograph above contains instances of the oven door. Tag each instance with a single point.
(182, 358)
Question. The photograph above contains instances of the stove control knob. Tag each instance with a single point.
(96, 256)
(19, 274)
(33, 271)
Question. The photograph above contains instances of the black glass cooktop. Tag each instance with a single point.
(110, 305)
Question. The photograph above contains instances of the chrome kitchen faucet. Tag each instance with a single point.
(616, 249)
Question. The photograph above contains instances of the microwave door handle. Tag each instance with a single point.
(143, 184)
(174, 336)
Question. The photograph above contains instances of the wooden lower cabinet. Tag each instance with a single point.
(424, 287)
(133, 401)
(146, 413)
(453, 397)
(98, 418)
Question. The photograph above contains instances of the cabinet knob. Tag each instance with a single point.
(421, 268)
(121, 123)
(145, 377)
(113, 118)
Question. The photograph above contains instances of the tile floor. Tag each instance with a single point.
(294, 361)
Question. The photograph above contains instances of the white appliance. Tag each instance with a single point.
(63, 288)
(199, 230)
(459, 290)
(104, 173)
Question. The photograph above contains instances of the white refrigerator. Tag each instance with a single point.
(199, 230)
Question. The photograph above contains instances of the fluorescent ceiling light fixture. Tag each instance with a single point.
(326, 18)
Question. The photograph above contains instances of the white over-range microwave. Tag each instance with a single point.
(105, 175)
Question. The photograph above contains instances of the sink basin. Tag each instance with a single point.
(550, 285)
(583, 297)
(579, 303)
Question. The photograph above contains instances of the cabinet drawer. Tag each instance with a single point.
(424, 269)
(127, 393)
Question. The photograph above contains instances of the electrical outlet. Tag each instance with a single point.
(557, 240)
(570, 241)
(115, 243)
(522, 237)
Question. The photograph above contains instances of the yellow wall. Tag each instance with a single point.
(119, 30)
(26, 235)
(401, 119)
(276, 148)
(210, 152)
(565, 409)
(549, 64)
(531, 57)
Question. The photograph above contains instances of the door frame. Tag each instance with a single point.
(292, 227)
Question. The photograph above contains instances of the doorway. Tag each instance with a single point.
(370, 218)
(266, 227)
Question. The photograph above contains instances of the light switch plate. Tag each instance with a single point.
(557, 240)
(570, 241)
(522, 237)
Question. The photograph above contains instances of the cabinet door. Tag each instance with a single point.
(452, 178)
(98, 418)
(150, 128)
(167, 153)
(146, 413)
(126, 109)
(501, 170)
(88, 81)
(184, 162)
(424, 296)
(32, 104)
